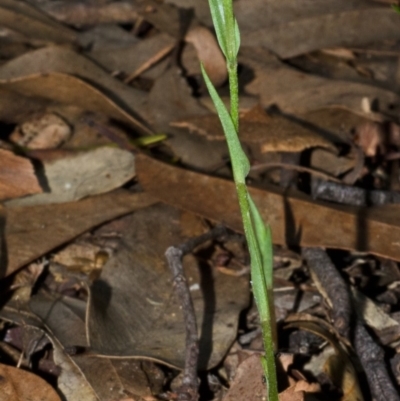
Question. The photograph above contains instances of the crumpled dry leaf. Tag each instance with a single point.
(35, 230)
(17, 176)
(71, 176)
(273, 133)
(387, 328)
(138, 279)
(44, 131)
(20, 385)
(370, 137)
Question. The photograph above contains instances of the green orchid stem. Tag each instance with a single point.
(265, 304)
(234, 94)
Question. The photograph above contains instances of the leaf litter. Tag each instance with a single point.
(87, 214)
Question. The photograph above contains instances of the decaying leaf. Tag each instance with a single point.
(67, 89)
(179, 104)
(249, 381)
(59, 61)
(34, 24)
(273, 133)
(356, 27)
(209, 53)
(33, 231)
(42, 132)
(336, 364)
(19, 385)
(17, 176)
(387, 328)
(137, 58)
(138, 279)
(294, 91)
(74, 175)
(294, 217)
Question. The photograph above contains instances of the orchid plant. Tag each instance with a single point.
(258, 235)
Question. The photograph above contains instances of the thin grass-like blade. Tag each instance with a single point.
(240, 162)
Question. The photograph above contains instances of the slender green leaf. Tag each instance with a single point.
(396, 8)
(240, 163)
(218, 17)
(237, 38)
(264, 240)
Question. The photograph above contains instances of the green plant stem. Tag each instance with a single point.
(266, 311)
(234, 94)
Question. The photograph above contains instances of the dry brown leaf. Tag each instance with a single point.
(35, 230)
(86, 14)
(294, 217)
(35, 25)
(209, 53)
(370, 137)
(139, 280)
(68, 89)
(294, 91)
(193, 150)
(71, 176)
(355, 28)
(20, 385)
(248, 383)
(57, 61)
(17, 176)
(273, 133)
(137, 58)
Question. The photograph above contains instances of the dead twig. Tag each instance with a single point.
(334, 286)
(174, 255)
(372, 360)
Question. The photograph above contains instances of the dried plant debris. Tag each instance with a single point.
(90, 201)
(17, 176)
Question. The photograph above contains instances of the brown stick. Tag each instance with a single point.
(174, 254)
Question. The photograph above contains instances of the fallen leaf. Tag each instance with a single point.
(192, 150)
(50, 66)
(137, 58)
(337, 364)
(45, 131)
(17, 176)
(67, 89)
(35, 230)
(294, 91)
(387, 328)
(273, 133)
(248, 383)
(294, 217)
(138, 278)
(370, 137)
(357, 27)
(20, 385)
(71, 176)
(208, 53)
(35, 25)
